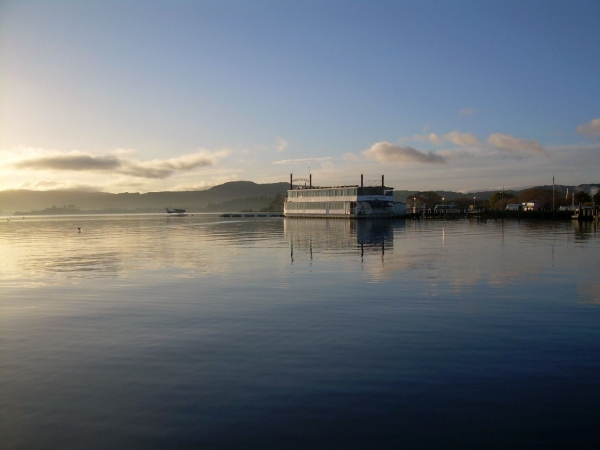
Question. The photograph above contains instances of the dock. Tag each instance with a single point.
(486, 213)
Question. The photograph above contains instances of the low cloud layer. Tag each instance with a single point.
(515, 145)
(155, 169)
(386, 152)
(590, 129)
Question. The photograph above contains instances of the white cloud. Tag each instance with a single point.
(516, 145)
(386, 152)
(590, 129)
(114, 164)
(462, 139)
(282, 145)
(302, 160)
(430, 137)
(433, 138)
(72, 162)
(456, 137)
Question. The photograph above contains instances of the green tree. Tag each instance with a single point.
(536, 194)
(430, 199)
(276, 204)
(497, 197)
(597, 196)
(463, 202)
(502, 204)
(582, 197)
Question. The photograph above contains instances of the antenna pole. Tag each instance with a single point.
(552, 192)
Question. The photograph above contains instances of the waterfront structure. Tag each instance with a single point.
(446, 211)
(354, 201)
(532, 206)
(585, 212)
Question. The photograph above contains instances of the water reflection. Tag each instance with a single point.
(584, 230)
(458, 255)
(339, 235)
(51, 250)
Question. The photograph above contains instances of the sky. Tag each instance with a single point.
(145, 95)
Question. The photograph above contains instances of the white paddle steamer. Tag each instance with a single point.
(356, 201)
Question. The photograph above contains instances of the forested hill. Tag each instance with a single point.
(25, 200)
(243, 189)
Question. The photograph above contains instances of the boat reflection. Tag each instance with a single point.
(375, 236)
(584, 230)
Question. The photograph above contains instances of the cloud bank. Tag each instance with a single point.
(386, 152)
(590, 129)
(155, 169)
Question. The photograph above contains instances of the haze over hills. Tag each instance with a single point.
(242, 194)
(25, 200)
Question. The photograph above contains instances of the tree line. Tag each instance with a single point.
(545, 197)
(500, 199)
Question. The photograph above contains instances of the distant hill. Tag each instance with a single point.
(235, 190)
(242, 194)
(25, 200)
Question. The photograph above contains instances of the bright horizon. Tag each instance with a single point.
(143, 96)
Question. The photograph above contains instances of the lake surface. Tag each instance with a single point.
(155, 332)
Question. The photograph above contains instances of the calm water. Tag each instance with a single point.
(203, 332)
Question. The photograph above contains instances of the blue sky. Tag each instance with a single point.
(155, 95)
